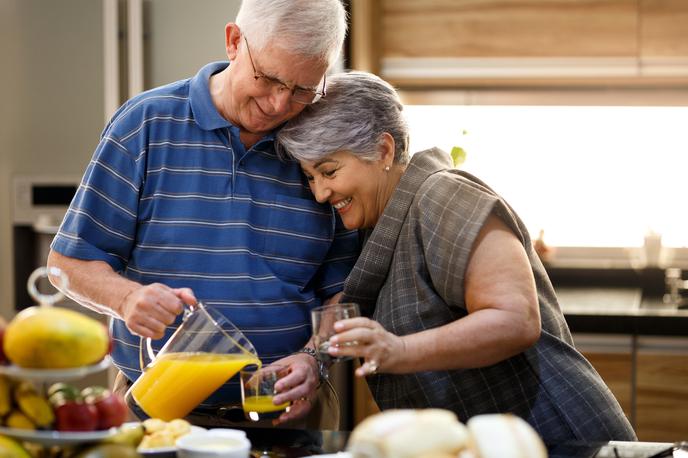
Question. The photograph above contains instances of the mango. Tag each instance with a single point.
(12, 449)
(54, 338)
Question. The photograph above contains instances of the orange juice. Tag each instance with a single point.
(177, 382)
(262, 404)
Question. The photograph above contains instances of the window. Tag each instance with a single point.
(588, 176)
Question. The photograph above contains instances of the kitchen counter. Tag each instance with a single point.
(618, 310)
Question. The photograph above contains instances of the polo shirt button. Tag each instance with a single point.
(241, 162)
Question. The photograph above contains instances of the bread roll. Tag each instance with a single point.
(408, 434)
(437, 433)
(505, 436)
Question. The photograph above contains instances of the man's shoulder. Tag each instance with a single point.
(168, 101)
(167, 97)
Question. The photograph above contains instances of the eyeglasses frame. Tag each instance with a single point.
(317, 95)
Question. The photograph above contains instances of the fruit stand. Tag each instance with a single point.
(41, 413)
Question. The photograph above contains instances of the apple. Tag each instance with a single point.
(112, 410)
(76, 416)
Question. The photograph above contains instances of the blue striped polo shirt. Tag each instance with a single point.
(172, 196)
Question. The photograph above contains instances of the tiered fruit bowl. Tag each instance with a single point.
(44, 345)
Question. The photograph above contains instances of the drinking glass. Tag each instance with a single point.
(258, 391)
(323, 319)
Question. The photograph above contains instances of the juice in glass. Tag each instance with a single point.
(258, 391)
(263, 404)
(178, 382)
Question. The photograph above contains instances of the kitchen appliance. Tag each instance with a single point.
(38, 205)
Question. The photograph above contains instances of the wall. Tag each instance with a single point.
(183, 36)
(52, 111)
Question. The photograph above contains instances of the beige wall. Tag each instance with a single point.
(183, 36)
(52, 111)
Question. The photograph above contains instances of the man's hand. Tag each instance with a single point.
(299, 387)
(149, 309)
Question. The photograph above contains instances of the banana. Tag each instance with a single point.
(129, 434)
(18, 420)
(33, 405)
(5, 395)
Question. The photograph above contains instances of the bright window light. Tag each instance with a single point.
(587, 176)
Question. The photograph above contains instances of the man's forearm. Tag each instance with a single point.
(93, 284)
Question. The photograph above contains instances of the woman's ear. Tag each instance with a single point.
(232, 40)
(387, 148)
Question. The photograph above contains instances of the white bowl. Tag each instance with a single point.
(214, 444)
(228, 432)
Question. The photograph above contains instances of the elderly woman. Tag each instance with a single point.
(464, 316)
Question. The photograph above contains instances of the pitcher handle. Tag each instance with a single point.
(47, 299)
(146, 357)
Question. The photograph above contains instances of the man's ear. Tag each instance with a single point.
(386, 147)
(232, 40)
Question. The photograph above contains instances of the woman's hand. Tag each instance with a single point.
(299, 386)
(367, 339)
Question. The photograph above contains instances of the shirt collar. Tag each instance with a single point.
(205, 113)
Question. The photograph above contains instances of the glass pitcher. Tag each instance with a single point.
(204, 352)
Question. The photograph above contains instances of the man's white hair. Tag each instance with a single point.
(308, 28)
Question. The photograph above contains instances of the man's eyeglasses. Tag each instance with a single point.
(298, 94)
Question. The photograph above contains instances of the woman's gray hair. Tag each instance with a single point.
(308, 28)
(358, 109)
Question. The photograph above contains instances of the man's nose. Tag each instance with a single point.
(280, 100)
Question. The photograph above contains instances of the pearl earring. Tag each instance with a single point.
(386, 168)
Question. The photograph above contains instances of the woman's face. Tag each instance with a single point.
(358, 190)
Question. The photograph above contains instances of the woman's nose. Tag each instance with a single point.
(321, 193)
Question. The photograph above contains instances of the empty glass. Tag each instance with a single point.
(323, 320)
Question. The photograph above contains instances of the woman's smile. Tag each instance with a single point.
(342, 206)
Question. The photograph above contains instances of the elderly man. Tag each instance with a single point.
(185, 198)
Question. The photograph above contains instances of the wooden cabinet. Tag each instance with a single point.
(455, 43)
(516, 28)
(662, 389)
(663, 29)
(648, 376)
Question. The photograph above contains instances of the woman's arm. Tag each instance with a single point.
(503, 316)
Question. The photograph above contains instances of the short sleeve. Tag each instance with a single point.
(102, 218)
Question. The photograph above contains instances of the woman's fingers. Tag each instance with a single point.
(358, 322)
(369, 367)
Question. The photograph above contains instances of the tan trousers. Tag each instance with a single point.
(325, 414)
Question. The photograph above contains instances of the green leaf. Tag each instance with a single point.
(458, 155)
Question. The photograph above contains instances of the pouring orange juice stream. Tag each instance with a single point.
(178, 382)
